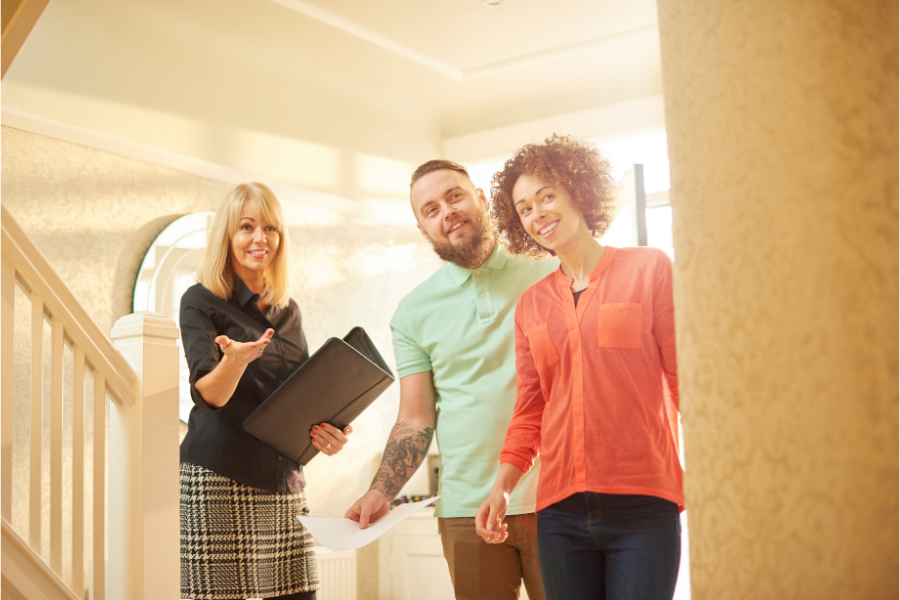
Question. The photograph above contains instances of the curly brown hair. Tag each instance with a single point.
(560, 160)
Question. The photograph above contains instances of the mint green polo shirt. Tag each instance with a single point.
(459, 324)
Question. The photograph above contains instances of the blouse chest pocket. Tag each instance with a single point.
(619, 325)
(542, 349)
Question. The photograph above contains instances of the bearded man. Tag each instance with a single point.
(454, 344)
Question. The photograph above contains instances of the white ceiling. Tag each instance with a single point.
(471, 38)
(388, 78)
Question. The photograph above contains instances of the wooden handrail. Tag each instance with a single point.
(26, 572)
(37, 275)
(19, 18)
(139, 372)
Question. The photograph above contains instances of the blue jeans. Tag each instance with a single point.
(609, 546)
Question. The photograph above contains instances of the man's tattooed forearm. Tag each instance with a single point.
(403, 454)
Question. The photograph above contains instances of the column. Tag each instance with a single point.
(782, 124)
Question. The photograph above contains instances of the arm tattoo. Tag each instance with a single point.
(403, 454)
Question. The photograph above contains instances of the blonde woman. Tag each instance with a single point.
(242, 337)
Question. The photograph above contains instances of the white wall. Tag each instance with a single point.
(94, 214)
(627, 134)
(613, 121)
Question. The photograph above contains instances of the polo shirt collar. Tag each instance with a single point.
(460, 275)
(244, 295)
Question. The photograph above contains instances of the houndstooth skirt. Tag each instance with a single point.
(241, 542)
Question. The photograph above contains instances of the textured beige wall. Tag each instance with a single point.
(782, 124)
(94, 215)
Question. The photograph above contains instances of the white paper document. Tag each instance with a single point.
(343, 534)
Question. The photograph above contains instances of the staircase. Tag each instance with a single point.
(88, 444)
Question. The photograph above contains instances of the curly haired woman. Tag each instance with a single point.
(597, 389)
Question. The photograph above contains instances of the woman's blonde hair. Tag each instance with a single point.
(217, 273)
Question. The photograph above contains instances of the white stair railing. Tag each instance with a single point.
(142, 440)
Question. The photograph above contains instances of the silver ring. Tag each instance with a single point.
(259, 351)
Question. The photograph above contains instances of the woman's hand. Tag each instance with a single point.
(489, 518)
(218, 386)
(328, 439)
(241, 354)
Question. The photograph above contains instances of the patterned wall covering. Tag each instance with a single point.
(782, 124)
(94, 215)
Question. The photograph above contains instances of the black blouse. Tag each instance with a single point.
(216, 438)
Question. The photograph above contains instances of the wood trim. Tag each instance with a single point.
(26, 573)
(25, 16)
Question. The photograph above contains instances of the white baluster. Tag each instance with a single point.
(98, 572)
(37, 361)
(56, 450)
(8, 277)
(78, 475)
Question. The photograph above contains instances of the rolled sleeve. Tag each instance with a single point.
(411, 357)
(198, 333)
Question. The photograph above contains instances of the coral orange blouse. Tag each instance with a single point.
(597, 386)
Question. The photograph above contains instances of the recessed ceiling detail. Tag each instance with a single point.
(268, 89)
(314, 12)
(353, 28)
(560, 52)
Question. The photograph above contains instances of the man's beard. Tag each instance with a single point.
(470, 252)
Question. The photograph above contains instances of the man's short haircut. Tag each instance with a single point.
(436, 165)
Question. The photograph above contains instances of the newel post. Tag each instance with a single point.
(143, 465)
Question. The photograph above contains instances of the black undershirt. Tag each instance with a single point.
(576, 295)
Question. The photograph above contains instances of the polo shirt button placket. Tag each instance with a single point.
(485, 307)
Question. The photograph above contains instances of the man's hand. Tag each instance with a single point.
(405, 450)
(369, 509)
(489, 518)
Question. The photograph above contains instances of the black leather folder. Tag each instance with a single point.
(337, 383)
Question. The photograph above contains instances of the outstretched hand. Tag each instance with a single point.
(244, 353)
(369, 509)
(489, 518)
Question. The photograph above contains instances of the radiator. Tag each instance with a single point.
(337, 574)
